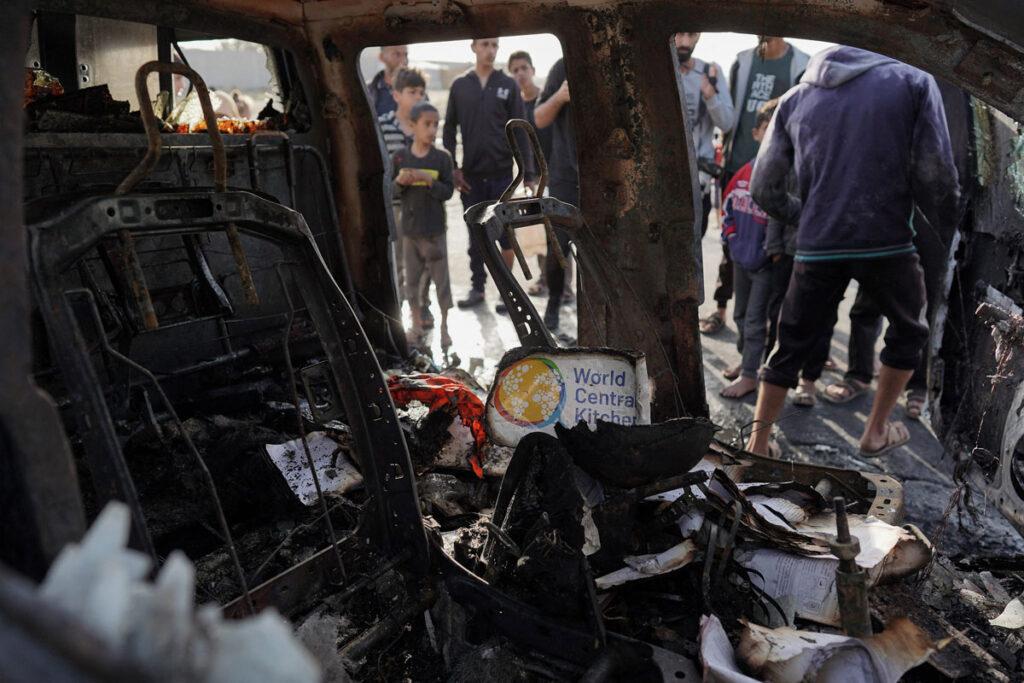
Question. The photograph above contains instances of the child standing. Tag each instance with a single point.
(423, 182)
(744, 227)
(409, 87)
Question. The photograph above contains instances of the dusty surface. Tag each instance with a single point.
(828, 434)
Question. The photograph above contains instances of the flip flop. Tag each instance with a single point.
(914, 407)
(712, 324)
(893, 440)
(805, 399)
(851, 389)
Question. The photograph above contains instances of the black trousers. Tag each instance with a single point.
(483, 188)
(808, 313)
(553, 271)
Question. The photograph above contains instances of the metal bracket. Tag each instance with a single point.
(321, 392)
(486, 221)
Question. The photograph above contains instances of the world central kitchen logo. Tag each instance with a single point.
(533, 393)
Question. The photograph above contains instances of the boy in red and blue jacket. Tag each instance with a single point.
(744, 228)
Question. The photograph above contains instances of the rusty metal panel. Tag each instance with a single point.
(38, 484)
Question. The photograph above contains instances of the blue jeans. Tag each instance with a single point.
(753, 290)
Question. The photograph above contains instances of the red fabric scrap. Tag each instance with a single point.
(438, 391)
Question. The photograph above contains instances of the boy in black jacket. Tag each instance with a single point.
(423, 181)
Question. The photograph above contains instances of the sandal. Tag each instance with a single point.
(805, 399)
(896, 435)
(712, 324)
(914, 407)
(844, 391)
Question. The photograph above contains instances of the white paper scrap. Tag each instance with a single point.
(804, 586)
(645, 566)
(786, 655)
(336, 477)
(717, 655)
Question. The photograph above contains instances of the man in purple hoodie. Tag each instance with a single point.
(867, 138)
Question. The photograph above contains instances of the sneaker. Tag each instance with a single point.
(475, 298)
(426, 318)
(500, 308)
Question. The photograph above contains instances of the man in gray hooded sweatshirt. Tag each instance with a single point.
(868, 140)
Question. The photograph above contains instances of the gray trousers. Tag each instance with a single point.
(426, 259)
(752, 294)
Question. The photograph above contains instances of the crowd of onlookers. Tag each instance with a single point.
(823, 170)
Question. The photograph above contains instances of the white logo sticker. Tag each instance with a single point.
(503, 93)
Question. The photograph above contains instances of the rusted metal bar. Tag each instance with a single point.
(851, 580)
(538, 154)
(220, 181)
(252, 146)
(42, 504)
(137, 280)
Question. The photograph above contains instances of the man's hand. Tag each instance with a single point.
(706, 89)
(460, 181)
(562, 95)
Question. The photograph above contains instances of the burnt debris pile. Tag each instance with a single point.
(224, 404)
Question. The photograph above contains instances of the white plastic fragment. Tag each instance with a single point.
(1012, 616)
(644, 566)
(103, 585)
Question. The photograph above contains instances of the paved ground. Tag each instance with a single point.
(829, 434)
(826, 434)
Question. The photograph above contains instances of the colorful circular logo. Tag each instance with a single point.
(530, 393)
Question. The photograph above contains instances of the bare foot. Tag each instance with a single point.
(733, 372)
(741, 387)
(446, 339)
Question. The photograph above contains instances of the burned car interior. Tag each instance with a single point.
(221, 461)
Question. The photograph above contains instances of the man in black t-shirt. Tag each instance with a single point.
(554, 110)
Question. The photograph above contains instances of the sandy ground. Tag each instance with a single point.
(826, 434)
